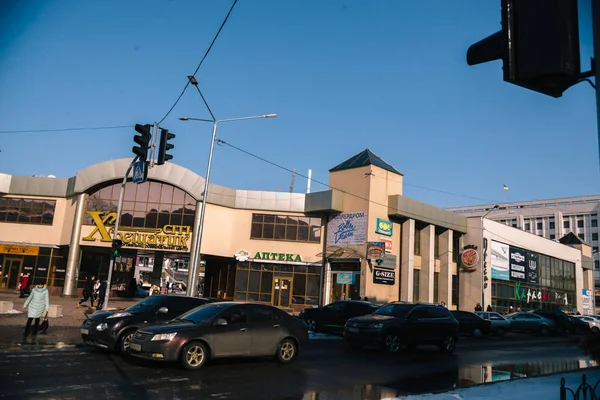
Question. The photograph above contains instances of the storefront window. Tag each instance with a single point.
(282, 227)
(417, 242)
(455, 289)
(416, 280)
(436, 279)
(27, 211)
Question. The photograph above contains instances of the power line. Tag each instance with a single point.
(200, 63)
(95, 128)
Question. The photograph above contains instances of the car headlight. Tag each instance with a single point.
(102, 327)
(120, 315)
(377, 326)
(164, 336)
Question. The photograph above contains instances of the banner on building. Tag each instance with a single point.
(384, 277)
(586, 297)
(500, 261)
(347, 229)
(533, 261)
(518, 264)
(375, 250)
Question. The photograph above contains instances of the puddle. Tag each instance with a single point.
(459, 377)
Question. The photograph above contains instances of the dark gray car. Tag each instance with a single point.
(217, 330)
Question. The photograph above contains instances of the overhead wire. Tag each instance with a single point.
(95, 128)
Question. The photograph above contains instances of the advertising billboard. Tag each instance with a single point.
(500, 261)
(518, 264)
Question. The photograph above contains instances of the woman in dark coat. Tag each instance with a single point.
(88, 291)
(101, 295)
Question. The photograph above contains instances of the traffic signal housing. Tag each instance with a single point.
(538, 45)
(164, 146)
(143, 140)
(117, 244)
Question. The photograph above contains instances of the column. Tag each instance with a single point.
(445, 279)
(195, 232)
(70, 284)
(407, 260)
(427, 264)
(159, 258)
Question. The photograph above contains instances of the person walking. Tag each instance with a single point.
(101, 295)
(24, 286)
(478, 307)
(36, 304)
(88, 292)
(96, 289)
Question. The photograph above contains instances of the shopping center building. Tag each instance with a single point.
(362, 238)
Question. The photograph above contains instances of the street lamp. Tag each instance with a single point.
(193, 269)
(482, 261)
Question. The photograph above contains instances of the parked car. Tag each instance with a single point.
(529, 322)
(333, 317)
(224, 329)
(579, 326)
(592, 322)
(472, 324)
(500, 325)
(562, 320)
(399, 323)
(113, 330)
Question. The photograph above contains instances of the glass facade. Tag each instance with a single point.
(556, 289)
(286, 227)
(27, 211)
(47, 266)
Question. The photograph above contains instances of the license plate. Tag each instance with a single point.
(85, 332)
(353, 330)
(135, 347)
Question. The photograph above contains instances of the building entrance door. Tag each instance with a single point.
(11, 271)
(282, 291)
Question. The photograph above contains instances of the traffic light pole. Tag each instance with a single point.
(115, 232)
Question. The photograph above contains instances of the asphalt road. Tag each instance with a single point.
(325, 369)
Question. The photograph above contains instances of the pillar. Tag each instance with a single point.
(193, 261)
(74, 257)
(445, 277)
(426, 275)
(407, 260)
(159, 258)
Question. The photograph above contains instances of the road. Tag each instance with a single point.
(324, 367)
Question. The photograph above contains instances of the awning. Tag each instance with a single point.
(49, 246)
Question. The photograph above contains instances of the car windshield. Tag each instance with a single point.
(203, 313)
(148, 303)
(394, 310)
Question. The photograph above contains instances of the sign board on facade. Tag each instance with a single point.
(518, 264)
(388, 243)
(586, 296)
(375, 250)
(533, 261)
(19, 250)
(345, 279)
(277, 256)
(384, 227)
(469, 257)
(347, 229)
(384, 277)
(169, 237)
(387, 262)
(500, 261)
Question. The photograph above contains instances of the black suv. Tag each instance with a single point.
(399, 323)
(113, 330)
(333, 316)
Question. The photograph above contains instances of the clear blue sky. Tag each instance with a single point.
(342, 76)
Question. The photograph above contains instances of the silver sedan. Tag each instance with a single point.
(500, 325)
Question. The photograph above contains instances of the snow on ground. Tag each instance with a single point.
(12, 312)
(546, 387)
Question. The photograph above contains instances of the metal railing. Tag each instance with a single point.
(584, 391)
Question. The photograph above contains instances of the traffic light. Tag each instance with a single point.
(538, 45)
(117, 244)
(143, 139)
(164, 146)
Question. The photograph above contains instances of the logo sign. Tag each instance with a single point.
(384, 277)
(533, 275)
(139, 172)
(20, 250)
(518, 266)
(388, 243)
(242, 256)
(277, 256)
(375, 250)
(345, 279)
(169, 237)
(347, 229)
(536, 295)
(384, 227)
(469, 258)
(387, 262)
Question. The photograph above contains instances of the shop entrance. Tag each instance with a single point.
(282, 291)
(11, 271)
(343, 281)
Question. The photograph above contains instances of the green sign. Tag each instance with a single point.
(277, 256)
(384, 227)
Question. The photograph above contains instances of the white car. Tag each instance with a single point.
(593, 323)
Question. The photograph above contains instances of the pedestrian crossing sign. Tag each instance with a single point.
(139, 169)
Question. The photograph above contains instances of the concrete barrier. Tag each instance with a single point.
(6, 306)
(55, 311)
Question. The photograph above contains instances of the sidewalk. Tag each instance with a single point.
(63, 329)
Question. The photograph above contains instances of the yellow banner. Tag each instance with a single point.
(18, 249)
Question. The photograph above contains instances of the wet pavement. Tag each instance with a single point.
(326, 370)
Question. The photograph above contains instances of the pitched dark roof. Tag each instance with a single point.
(365, 157)
(571, 239)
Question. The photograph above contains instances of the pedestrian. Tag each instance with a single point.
(36, 304)
(489, 308)
(366, 298)
(478, 307)
(88, 291)
(101, 295)
(443, 304)
(96, 288)
(24, 286)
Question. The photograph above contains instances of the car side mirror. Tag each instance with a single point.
(221, 322)
(163, 310)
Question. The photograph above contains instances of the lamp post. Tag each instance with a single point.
(482, 261)
(195, 256)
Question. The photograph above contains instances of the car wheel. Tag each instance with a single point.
(544, 331)
(392, 343)
(125, 340)
(448, 344)
(477, 332)
(287, 351)
(500, 332)
(311, 324)
(595, 329)
(193, 356)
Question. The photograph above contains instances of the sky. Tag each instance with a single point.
(342, 76)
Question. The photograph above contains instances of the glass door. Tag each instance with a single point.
(11, 271)
(282, 291)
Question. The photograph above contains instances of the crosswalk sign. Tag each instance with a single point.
(139, 169)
